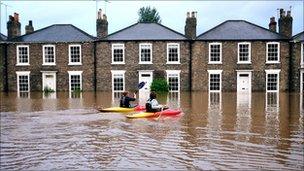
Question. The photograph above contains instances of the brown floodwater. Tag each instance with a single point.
(215, 132)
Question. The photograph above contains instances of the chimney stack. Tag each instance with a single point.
(101, 25)
(273, 25)
(190, 27)
(13, 26)
(29, 28)
(285, 23)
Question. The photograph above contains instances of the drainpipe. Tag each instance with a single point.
(5, 81)
(94, 79)
(190, 65)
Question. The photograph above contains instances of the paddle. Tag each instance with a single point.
(162, 109)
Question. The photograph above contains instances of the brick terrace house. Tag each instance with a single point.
(59, 57)
(234, 56)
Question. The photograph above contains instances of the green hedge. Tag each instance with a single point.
(159, 85)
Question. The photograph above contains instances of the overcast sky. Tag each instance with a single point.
(121, 14)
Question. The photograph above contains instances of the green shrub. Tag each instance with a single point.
(159, 85)
(48, 90)
(77, 90)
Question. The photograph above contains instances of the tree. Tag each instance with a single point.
(149, 15)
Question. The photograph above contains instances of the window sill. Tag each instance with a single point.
(74, 64)
(215, 91)
(272, 91)
(117, 63)
(23, 64)
(45, 64)
(273, 62)
(149, 63)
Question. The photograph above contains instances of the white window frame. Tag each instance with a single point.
(123, 52)
(215, 72)
(168, 72)
(249, 53)
(28, 55)
(20, 73)
(122, 72)
(302, 54)
(273, 71)
(221, 51)
(75, 73)
(272, 62)
(301, 81)
(80, 55)
(43, 51)
(178, 53)
(151, 49)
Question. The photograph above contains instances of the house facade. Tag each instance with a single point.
(234, 56)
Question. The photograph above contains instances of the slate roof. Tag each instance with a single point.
(240, 30)
(146, 31)
(2, 37)
(56, 33)
(298, 37)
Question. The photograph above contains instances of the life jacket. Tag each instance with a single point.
(149, 106)
(122, 102)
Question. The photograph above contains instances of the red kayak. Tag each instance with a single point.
(168, 112)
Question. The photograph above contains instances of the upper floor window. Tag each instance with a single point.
(173, 78)
(273, 52)
(48, 54)
(173, 53)
(118, 54)
(118, 80)
(23, 81)
(145, 53)
(23, 55)
(215, 53)
(74, 54)
(244, 53)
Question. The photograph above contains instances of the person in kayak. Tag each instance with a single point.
(152, 104)
(125, 100)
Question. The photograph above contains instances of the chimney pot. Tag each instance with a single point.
(190, 27)
(188, 14)
(16, 16)
(285, 23)
(273, 25)
(101, 25)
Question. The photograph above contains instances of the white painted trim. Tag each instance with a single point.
(80, 54)
(272, 62)
(151, 50)
(209, 53)
(140, 72)
(215, 72)
(123, 53)
(43, 55)
(301, 81)
(178, 53)
(20, 73)
(49, 73)
(114, 72)
(302, 55)
(75, 73)
(249, 53)
(28, 55)
(273, 71)
(250, 79)
(178, 76)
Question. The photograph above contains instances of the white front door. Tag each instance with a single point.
(244, 81)
(147, 77)
(49, 80)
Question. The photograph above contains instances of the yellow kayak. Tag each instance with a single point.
(122, 109)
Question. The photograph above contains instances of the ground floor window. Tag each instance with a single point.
(75, 80)
(23, 81)
(118, 81)
(215, 80)
(272, 80)
(173, 78)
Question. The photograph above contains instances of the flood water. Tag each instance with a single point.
(216, 131)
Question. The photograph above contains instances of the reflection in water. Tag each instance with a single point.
(173, 100)
(116, 98)
(219, 131)
(52, 95)
(23, 94)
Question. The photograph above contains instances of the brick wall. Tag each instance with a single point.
(62, 67)
(229, 65)
(159, 59)
(295, 67)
